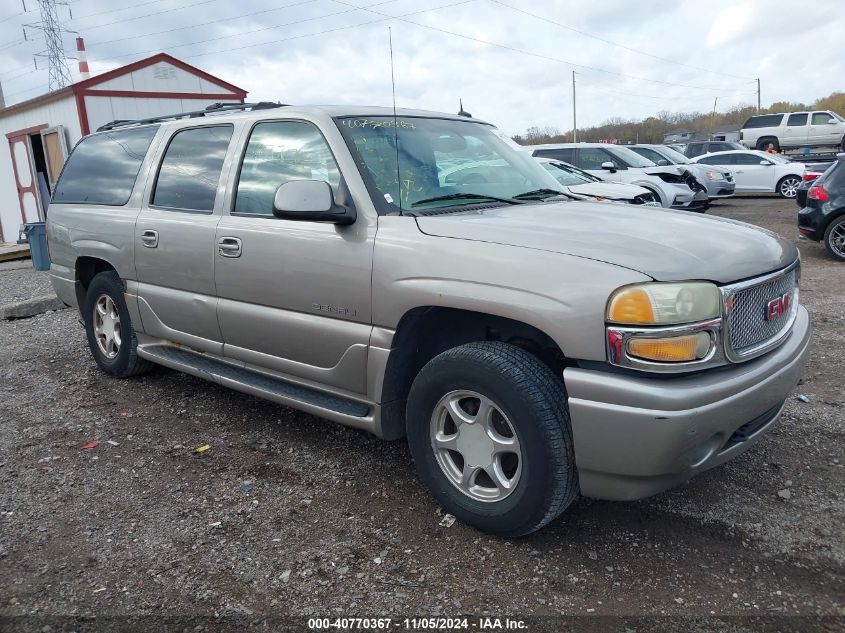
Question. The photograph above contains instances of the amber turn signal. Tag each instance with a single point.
(675, 349)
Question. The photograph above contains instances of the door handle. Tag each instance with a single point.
(149, 238)
(229, 247)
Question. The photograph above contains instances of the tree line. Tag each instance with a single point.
(652, 129)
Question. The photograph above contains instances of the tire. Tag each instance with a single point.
(763, 143)
(531, 401)
(834, 238)
(117, 358)
(788, 186)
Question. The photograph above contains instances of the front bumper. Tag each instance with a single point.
(637, 436)
(720, 189)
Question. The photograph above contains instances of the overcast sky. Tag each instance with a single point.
(514, 69)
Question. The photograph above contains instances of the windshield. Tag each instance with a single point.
(674, 157)
(776, 159)
(629, 156)
(450, 160)
(567, 175)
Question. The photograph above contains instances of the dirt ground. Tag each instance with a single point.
(287, 516)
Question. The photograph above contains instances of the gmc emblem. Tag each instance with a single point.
(778, 306)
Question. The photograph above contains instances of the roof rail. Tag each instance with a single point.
(212, 109)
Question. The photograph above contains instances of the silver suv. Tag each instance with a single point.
(412, 275)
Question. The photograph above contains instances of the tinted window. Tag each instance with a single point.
(695, 149)
(764, 120)
(821, 118)
(746, 159)
(593, 157)
(725, 159)
(103, 167)
(277, 152)
(797, 119)
(565, 155)
(190, 171)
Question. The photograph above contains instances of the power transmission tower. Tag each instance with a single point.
(55, 52)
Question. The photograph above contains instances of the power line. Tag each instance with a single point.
(10, 17)
(193, 26)
(134, 6)
(532, 54)
(612, 43)
(250, 32)
(146, 15)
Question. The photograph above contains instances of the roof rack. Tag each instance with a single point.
(214, 108)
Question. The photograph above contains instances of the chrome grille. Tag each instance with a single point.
(747, 321)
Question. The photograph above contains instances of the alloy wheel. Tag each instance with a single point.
(789, 187)
(106, 321)
(836, 240)
(476, 446)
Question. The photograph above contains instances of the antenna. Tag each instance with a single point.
(395, 121)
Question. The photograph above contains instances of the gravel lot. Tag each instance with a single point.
(288, 516)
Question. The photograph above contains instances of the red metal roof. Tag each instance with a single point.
(81, 87)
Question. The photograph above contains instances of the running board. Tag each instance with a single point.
(338, 408)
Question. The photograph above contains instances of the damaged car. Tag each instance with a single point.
(674, 185)
(584, 186)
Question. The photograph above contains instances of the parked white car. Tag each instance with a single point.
(758, 172)
(674, 185)
(794, 129)
(580, 184)
(719, 181)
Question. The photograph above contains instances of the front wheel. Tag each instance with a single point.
(788, 186)
(489, 431)
(834, 238)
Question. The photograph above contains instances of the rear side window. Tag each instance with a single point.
(797, 119)
(695, 149)
(190, 170)
(764, 120)
(102, 168)
(724, 159)
(565, 155)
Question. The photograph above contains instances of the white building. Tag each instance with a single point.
(42, 130)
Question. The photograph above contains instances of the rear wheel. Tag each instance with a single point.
(111, 336)
(834, 238)
(763, 143)
(788, 186)
(489, 431)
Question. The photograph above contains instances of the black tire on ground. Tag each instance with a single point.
(763, 143)
(788, 186)
(834, 238)
(126, 362)
(534, 401)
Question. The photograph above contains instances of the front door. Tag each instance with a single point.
(750, 175)
(796, 129)
(174, 239)
(294, 297)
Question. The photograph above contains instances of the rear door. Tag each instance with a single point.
(294, 297)
(174, 238)
(796, 131)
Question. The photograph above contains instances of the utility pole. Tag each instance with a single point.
(758, 94)
(574, 119)
(55, 53)
(713, 119)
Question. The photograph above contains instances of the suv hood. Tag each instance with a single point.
(664, 244)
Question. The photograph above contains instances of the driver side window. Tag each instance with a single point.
(277, 152)
(593, 157)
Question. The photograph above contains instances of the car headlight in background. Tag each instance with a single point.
(657, 326)
(664, 303)
(712, 175)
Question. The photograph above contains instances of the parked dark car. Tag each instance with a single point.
(823, 218)
(697, 148)
(808, 180)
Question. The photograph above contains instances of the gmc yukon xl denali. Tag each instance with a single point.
(410, 274)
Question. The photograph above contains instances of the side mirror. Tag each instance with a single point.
(310, 201)
(609, 166)
(765, 162)
(662, 162)
(832, 121)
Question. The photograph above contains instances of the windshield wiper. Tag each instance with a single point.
(540, 194)
(466, 196)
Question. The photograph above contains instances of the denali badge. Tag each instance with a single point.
(778, 306)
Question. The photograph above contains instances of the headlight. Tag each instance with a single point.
(664, 303)
(711, 175)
